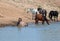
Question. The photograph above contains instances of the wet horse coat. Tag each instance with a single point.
(39, 17)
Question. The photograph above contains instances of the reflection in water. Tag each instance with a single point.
(31, 33)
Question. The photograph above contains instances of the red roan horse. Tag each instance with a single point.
(39, 17)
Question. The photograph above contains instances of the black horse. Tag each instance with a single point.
(53, 14)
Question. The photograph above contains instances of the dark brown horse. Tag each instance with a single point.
(39, 17)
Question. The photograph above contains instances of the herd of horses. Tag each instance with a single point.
(40, 14)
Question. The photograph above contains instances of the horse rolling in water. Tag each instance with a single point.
(33, 11)
(42, 12)
(53, 14)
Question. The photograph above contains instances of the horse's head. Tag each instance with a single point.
(32, 10)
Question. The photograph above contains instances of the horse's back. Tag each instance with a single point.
(53, 13)
(56, 12)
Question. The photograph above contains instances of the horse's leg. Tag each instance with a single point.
(46, 20)
(57, 19)
(54, 18)
(51, 17)
(43, 20)
(36, 21)
(57, 16)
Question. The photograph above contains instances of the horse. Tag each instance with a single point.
(42, 11)
(33, 11)
(53, 14)
(39, 17)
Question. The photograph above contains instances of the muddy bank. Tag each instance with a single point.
(13, 21)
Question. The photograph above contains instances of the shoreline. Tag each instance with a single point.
(10, 22)
(13, 23)
(9, 13)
